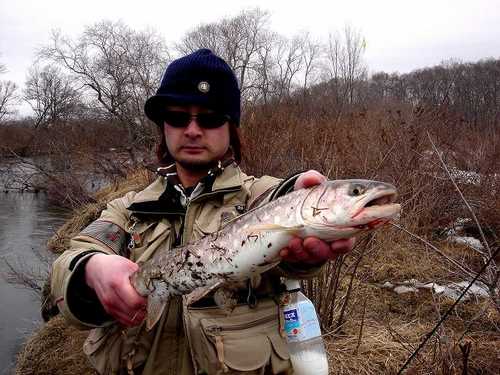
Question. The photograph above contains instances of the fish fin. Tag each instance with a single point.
(275, 228)
(154, 310)
(200, 292)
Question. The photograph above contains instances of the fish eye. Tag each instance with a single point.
(357, 190)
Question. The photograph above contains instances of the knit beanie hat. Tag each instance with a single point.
(200, 78)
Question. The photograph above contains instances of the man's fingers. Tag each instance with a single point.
(296, 251)
(113, 305)
(130, 297)
(293, 254)
(295, 245)
(313, 250)
(342, 246)
(316, 248)
(131, 318)
(109, 276)
(284, 252)
(127, 315)
(122, 301)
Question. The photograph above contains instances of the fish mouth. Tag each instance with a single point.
(376, 210)
(382, 199)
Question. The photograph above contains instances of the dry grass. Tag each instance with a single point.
(386, 345)
(379, 339)
(394, 326)
(83, 216)
(393, 146)
(55, 349)
(379, 329)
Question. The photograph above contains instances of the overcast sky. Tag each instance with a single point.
(401, 35)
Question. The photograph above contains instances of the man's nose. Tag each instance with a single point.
(193, 129)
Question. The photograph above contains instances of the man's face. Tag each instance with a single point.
(194, 147)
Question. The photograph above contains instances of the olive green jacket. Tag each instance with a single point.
(135, 226)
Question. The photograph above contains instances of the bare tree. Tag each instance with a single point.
(263, 82)
(289, 62)
(353, 67)
(51, 95)
(310, 57)
(8, 98)
(384, 87)
(344, 64)
(117, 66)
(203, 36)
(335, 55)
(283, 65)
(8, 95)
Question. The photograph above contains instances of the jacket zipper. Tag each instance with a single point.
(215, 192)
(217, 329)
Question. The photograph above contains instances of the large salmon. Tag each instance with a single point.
(250, 244)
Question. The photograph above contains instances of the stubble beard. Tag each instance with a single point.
(196, 165)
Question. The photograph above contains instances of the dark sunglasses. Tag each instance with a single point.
(181, 119)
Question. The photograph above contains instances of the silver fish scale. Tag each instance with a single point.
(250, 244)
(233, 253)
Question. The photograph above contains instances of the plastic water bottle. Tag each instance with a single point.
(305, 344)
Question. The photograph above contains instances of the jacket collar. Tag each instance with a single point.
(160, 196)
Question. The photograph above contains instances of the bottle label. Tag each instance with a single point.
(301, 322)
(291, 320)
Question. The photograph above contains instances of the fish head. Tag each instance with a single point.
(343, 208)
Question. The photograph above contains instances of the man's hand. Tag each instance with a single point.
(312, 250)
(109, 276)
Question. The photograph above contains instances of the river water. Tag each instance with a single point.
(27, 221)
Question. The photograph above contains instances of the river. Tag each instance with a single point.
(27, 220)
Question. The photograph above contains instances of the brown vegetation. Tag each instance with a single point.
(311, 105)
(371, 330)
(84, 215)
(70, 162)
(395, 146)
(54, 350)
(80, 136)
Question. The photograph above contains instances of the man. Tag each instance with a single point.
(200, 187)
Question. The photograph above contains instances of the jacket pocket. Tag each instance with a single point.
(145, 239)
(112, 349)
(247, 341)
(103, 348)
(203, 227)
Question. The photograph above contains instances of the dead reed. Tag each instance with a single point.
(370, 330)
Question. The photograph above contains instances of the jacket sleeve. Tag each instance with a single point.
(275, 189)
(109, 235)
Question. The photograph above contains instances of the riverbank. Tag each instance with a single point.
(379, 330)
